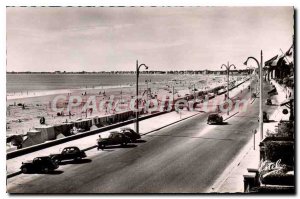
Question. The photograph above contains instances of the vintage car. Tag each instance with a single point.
(39, 164)
(130, 133)
(68, 153)
(214, 119)
(114, 138)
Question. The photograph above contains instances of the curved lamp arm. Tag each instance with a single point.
(142, 65)
(253, 58)
(223, 65)
(233, 66)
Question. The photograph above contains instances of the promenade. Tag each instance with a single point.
(232, 181)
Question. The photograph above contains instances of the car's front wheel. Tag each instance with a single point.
(78, 158)
(56, 161)
(46, 170)
(24, 170)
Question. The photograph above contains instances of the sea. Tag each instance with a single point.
(45, 82)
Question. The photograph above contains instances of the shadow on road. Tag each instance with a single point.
(55, 172)
(118, 146)
(82, 161)
(140, 141)
(220, 124)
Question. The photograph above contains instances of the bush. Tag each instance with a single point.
(283, 150)
(285, 129)
(278, 177)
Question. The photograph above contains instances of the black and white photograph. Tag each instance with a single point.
(150, 100)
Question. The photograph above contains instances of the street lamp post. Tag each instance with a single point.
(194, 93)
(260, 66)
(250, 82)
(228, 69)
(147, 82)
(173, 93)
(137, 92)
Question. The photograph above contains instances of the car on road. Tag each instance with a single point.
(214, 119)
(130, 133)
(39, 164)
(68, 153)
(114, 138)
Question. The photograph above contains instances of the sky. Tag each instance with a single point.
(163, 38)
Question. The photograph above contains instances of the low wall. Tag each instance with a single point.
(37, 147)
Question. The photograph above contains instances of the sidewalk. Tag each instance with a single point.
(232, 180)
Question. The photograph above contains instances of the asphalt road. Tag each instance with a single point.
(183, 158)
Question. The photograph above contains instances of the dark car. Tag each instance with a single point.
(130, 133)
(68, 153)
(114, 138)
(215, 119)
(39, 164)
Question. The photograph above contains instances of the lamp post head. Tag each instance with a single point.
(146, 67)
(245, 63)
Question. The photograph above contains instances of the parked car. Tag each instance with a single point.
(114, 138)
(268, 101)
(68, 153)
(130, 133)
(39, 164)
(214, 119)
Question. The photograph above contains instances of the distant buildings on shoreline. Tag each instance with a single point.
(175, 72)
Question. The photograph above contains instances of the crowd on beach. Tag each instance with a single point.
(25, 113)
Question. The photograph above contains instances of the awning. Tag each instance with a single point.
(289, 55)
(270, 61)
(274, 90)
(287, 102)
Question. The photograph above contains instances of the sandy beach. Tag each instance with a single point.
(21, 119)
